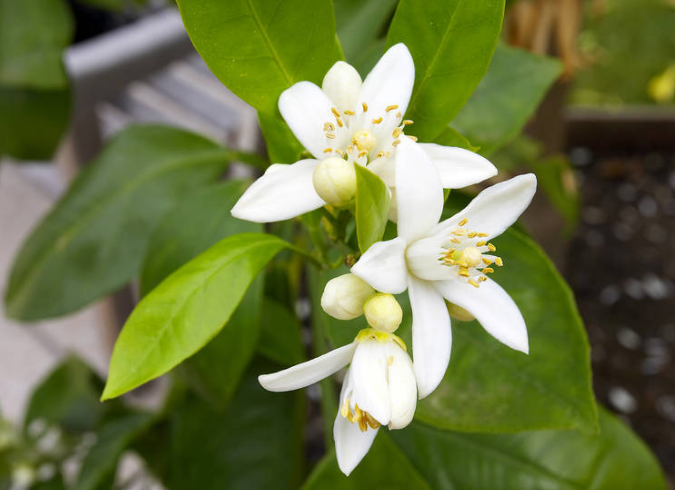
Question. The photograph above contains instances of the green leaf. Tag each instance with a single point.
(372, 207)
(282, 145)
(451, 42)
(384, 467)
(32, 121)
(32, 37)
(112, 439)
(259, 48)
(280, 338)
(256, 442)
(491, 388)
(68, 397)
(510, 93)
(215, 371)
(360, 23)
(92, 241)
(187, 310)
(615, 459)
(193, 225)
(451, 137)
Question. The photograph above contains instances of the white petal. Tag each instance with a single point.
(496, 208)
(423, 261)
(419, 191)
(458, 167)
(432, 336)
(351, 445)
(283, 192)
(369, 375)
(309, 372)
(402, 386)
(385, 169)
(383, 266)
(305, 108)
(342, 85)
(390, 82)
(493, 308)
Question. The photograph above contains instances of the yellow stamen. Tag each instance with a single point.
(407, 122)
(459, 232)
(482, 234)
(330, 136)
(377, 121)
(455, 240)
(488, 270)
(482, 279)
(328, 150)
(480, 244)
(491, 247)
(473, 283)
(390, 108)
(365, 106)
(463, 222)
(349, 113)
(499, 261)
(486, 261)
(396, 143)
(397, 132)
(363, 153)
(463, 272)
(414, 138)
(380, 154)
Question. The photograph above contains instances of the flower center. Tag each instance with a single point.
(358, 416)
(372, 334)
(468, 254)
(364, 140)
(357, 136)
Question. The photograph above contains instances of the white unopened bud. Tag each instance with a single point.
(383, 312)
(342, 85)
(343, 297)
(335, 181)
(459, 313)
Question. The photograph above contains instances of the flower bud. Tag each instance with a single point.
(343, 297)
(342, 85)
(335, 181)
(459, 313)
(383, 312)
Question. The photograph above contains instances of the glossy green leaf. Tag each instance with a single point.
(280, 336)
(112, 439)
(215, 371)
(615, 459)
(68, 397)
(193, 225)
(372, 207)
(32, 121)
(32, 38)
(359, 23)
(187, 310)
(451, 137)
(255, 443)
(384, 467)
(282, 145)
(491, 388)
(258, 48)
(507, 97)
(451, 42)
(92, 242)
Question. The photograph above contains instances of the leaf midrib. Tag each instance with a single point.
(268, 42)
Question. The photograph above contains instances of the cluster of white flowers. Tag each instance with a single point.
(444, 265)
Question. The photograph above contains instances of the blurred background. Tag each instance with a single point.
(602, 144)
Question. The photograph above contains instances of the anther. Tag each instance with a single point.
(397, 132)
(327, 126)
(328, 150)
(390, 108)
(335, 112)
(363, 153)
(377, 121)
(481, 243)
(379, 154)
(396, 143)
(330, 136)
(407, 122)
(487, 261)
(349, 113)
(399, 115)
(465, 220)
(473, 283)
(482, 279)
(499, 261)
(488, 270)
(365, 106)
(491, 247)
(414, 138)
(455, 240)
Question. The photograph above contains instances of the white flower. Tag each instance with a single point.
(446, 261)
(379, 389)
(361, 122)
